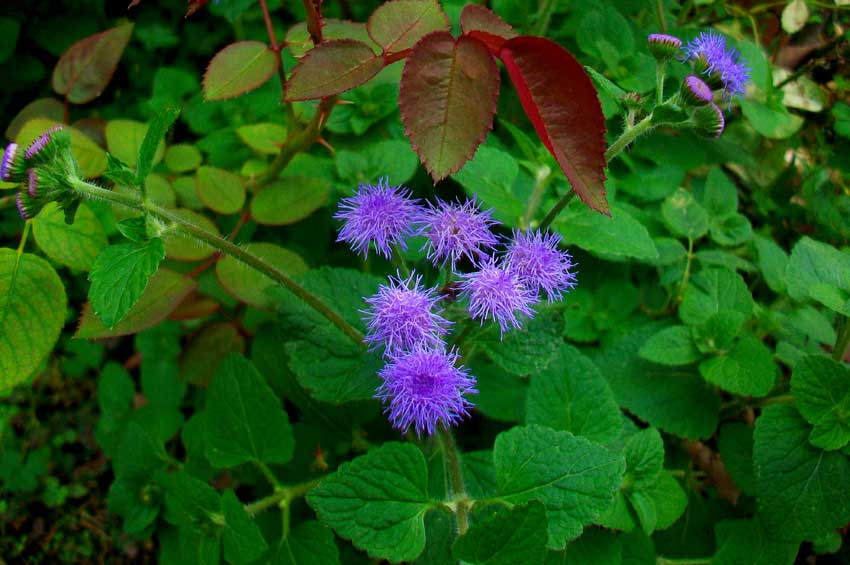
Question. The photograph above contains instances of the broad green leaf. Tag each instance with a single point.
(595, 547)
(164, 292)
(289, 200)
(9, 31)
(618, 237)
(160, 349)
(819, 272)
(529, 349)
(490, 176)
(644, 453)
(86, 67)
(249, 285)
(720, 196)
(152, 147)
(574, 478)
(712, 291)
(447, 99)
(243, 542)
(264, 138)
(571, 395)
(771, 120)
(501, 394)
(90, 157)
(308, 543)
(75, 245)
(747, 369)
(509, 536)
(671, 346)
(183, 247)
(736, 450)
(124, 140)
(119, 277)
(563, 106)
(669, 498)
(391, 158)
(397, 26)
(299, 42)
(209, 347)
(245, 420)
(332, 67)
(183, 158)
(115, 393)
(32, 313)
(772, 262)
(801, 490)
(238, 68)
(746, 541)
(221, 190)
(190, 502)
(684, 215)
(821, 389)
(731, 230)
(378, 501)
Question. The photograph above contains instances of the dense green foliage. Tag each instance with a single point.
(181, 369)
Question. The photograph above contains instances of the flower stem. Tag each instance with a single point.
(659, 82)
(686, 561)
(842, 338)
(281, 496)
(222, 245)
(456, 479)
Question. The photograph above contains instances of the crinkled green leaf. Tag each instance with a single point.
(671, 346)
(509, 536)
(819, 272)
(747, 369)
(821, 389)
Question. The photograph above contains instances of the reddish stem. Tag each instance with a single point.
(390, 58)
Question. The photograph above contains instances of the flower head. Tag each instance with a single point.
(402, 316)
(32, 183)
(664, 47)
(456, 230)
(380, 213)
(424, 388)
(535, 259)
(722, 65)
(7, 165)
(41, 142)
(497, 294)
(695, 92)
(709, 120)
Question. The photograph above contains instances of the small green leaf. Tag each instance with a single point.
(32, 313)
(124, 139)
(152, 146)
(75, 245)
(221, 190)
(618, 237)
(243, 542)
(378, 501)
(183, 158)
(181, 246)
(299, 42)
(684, 215)
(245, 421)
(720, 197)
(490, 176)
(238, 68)
(134, 229)
(821, 389)
(746, 541)
(772, 262)
(189, 502)
(671, 346)
(819, 272)
(574, 478)
(731, 230)
(249, 285)
(289, 200)
(118, 172)
(509, 536)
(747, 369)
(263, 138)
(714, 290)
(528, 350)
(332, 67)
(308, 543)
(119, 277)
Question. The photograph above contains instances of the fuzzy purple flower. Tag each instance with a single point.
(424, 389)
(456, 230)
(41, 142)
(379, 214)
(9, 157)
(722, 64)
(535, 259)
(497, 294)
(695, 92)
(403, 315)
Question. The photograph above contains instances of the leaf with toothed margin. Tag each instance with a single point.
(563, 106)
(399, 25)
(449, 89)
(479, 22)
(331, 68)
(87, 66)
(238, 68)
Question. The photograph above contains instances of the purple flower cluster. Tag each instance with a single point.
(423, 385)
(721, 64)
(30, 168)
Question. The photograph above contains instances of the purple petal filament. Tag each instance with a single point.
(456, 230)
(497, 294)
(535, 259)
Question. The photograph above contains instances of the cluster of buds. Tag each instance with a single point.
(42, 171)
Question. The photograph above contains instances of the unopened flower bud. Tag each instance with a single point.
(664, 47)
(41, 142)
(709, 120)
(10, 163)
(32, 183)
(695, 92)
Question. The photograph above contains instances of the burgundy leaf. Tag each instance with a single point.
(332, 67)
(486, 26)
(561, 102)
(449, 89)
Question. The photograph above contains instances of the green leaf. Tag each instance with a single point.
(134, 229)
(86, 67)
(119, 277)
(332, 67)
(490, 176)
(391, 158)
(309, 543)
(720, 197)
(772, 261)
(801, 490)
(731, 230)
(669, 498)
(266, 138)
(299, 42)
(571, 395)
(397, 26)
(574, 478)
(378, 501)
(139, 457)
(747, 369)
(183, 158)
(509, 536)
(618, 237)
(32, 313)
(644, 453)
(242, 539)
(189, 502)
(208, 348)
(118, 172)
(594, 547)
(238, 68)
(75, 245)
(289, 200)
(165, 291)
(181, 246)
(153, 143)
(821, 389)
(220, 190)
(442, 77)
(501, 394)
(746, 541)
(736, 451)
(684, 215)
(671, 346)
(124, 139)
(160, 349)
(249, 285)
(115, 393)
(526, 350)
(714, 290)
(821, 273)
(771, 120)
(245, 420)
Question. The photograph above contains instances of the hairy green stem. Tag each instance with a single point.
(281, 496)
(842, 338)
(222, 245)
(660, 71)
(685, 561)
(461, 508)
(267, 473)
